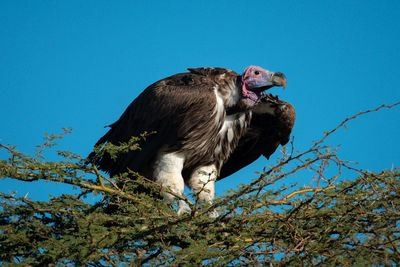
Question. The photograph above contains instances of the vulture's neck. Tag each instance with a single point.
(229, 90)
(239, 106)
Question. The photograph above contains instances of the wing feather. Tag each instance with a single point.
(171, 108)
(265, 133)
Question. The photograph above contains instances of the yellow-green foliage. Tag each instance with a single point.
(333, 221)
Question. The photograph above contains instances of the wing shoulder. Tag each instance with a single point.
(212, 72)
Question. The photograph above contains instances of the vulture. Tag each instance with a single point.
(205, 124)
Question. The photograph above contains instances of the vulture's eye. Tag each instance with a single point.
(256, 72)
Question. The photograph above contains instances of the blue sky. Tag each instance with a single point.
(80, 63)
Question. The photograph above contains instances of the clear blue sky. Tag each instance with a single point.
(80, 63)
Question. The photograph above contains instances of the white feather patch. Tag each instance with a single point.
(202, 182)
(230, 135)
(234, 93)
(217, 150)
(168, 172)
(220, 104)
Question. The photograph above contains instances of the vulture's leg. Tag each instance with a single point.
(168, 172)
(202, 183)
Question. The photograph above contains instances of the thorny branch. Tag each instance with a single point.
(314, 149)
(51, 141)
(265, 179)
(299, 225)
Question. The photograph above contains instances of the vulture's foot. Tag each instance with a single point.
(183, 208)
(213, 214)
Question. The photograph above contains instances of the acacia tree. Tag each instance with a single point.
(332, 220)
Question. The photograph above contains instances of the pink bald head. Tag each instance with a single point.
(256, 79)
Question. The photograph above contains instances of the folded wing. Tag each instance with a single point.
(270, 126)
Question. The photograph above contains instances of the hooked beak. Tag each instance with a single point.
(279, 79)
(270, 79)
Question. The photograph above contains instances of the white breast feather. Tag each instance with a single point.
(219, 109)
(226, 133)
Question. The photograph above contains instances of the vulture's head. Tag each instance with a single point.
(255, 80)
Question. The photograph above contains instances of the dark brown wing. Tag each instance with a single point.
(266, 132)
(171, 108)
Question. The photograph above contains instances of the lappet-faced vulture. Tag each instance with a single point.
(206, 124)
